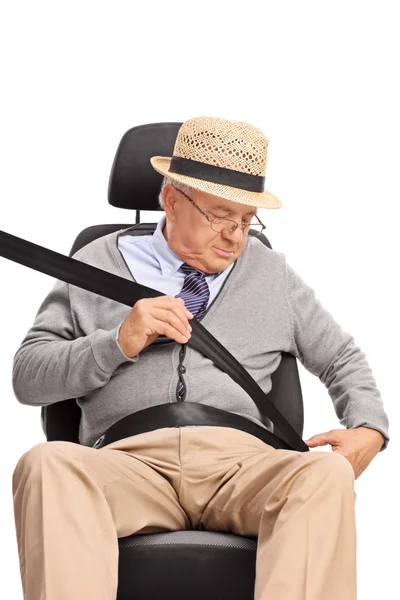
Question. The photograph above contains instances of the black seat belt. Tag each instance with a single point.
(93, 279)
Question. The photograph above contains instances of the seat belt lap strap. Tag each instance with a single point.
(98, 281)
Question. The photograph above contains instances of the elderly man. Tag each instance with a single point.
(72, 499)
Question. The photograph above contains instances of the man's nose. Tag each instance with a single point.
(236, 235)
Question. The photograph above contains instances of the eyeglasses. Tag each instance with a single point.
(220, 225)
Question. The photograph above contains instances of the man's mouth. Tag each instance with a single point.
(223, 252)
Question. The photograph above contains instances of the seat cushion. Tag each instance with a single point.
(186, 565)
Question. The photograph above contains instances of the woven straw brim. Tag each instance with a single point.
(261, 199)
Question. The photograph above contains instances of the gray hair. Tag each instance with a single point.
(179, 186)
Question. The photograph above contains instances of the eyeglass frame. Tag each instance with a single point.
(241, 225)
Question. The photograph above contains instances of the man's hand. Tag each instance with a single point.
(359, 445)
(151, 317)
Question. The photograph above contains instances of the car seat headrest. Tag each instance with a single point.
(134, 184)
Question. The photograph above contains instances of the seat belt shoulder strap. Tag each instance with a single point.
(127, 292)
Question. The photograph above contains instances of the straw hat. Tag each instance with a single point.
(224, 158)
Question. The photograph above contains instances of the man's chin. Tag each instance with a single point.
(219, 262)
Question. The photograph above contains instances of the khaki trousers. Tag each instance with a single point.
(72, 502)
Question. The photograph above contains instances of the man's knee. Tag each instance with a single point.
(31, 464)
(334, 466)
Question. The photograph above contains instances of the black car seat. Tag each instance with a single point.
(191, 564)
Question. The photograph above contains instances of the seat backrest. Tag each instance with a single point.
(135, 185)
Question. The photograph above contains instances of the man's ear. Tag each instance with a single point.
(169, 200)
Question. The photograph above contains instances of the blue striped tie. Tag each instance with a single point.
(195, 291)
(196, 294)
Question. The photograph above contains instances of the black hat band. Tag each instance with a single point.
(221, 175)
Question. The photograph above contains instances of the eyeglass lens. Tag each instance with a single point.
(227, 226)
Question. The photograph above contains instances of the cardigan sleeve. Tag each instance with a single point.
(53, 364)
(329, 352)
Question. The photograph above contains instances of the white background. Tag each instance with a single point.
(320, 79)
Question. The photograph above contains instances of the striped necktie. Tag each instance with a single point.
(195, 291)
(196, 294)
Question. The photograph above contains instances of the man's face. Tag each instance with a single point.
(190, 236)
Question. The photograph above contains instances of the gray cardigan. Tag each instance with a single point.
(262, 309)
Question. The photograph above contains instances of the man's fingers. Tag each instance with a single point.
(177, 307)
(163, 315)
(322, 439)
(177, 322)
(185, 310)
(168, 330)
(172, 303)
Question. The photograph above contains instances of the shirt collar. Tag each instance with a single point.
(169, 262)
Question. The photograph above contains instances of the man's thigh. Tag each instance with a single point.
(229, 478)
(136, 476)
